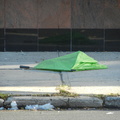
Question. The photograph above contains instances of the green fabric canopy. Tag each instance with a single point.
(76, 61)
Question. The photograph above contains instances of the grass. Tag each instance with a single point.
(63, 91)
(66, 93)
(101, 96)
(114, 95)
(4, 96)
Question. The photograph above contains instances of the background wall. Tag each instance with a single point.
(51, 25)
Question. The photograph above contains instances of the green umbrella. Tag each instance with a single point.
(76, 61)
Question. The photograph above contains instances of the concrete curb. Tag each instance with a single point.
(64, 102)
(112, 102)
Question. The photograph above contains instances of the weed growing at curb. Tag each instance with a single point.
(114, 95)
(62, 92)
(4, 96)
(65, 93)
(101, 96)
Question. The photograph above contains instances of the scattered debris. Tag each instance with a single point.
(110, 113)
(13, 106)
(1, 108)
(47, 106)
(31, 107)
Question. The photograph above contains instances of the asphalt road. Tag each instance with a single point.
(61, 115)
(14, 80)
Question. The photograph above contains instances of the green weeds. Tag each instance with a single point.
(4, 96)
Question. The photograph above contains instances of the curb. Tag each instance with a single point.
(64, 102)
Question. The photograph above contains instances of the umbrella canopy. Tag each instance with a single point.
(76, 61)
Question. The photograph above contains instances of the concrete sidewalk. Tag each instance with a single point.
(14, 80)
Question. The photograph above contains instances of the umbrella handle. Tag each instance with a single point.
(25, 67)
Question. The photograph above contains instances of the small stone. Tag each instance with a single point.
(1, 102)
